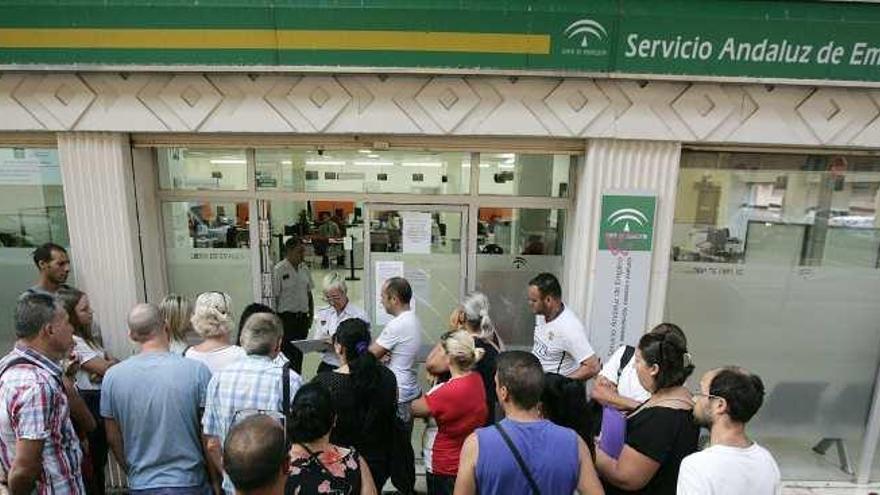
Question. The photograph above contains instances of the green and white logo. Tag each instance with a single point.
(589, 34)
(586, 28)
(627, 223)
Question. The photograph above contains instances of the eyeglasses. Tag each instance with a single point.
(329, 299)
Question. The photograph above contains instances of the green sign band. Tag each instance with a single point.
(705, 38)
(627, 223)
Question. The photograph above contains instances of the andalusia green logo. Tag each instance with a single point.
(627, 223)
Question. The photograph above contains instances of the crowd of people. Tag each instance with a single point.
(228, 411)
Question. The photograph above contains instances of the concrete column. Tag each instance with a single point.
(102, 218)
(650, 166)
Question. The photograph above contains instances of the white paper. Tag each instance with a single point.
(416, 234)
(384, 270)
(356, 232)
(312, 345)
(347, 243)
(420, 281)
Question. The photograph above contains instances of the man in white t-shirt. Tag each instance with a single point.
(732, 464)
(401, 341)
(618, 383)
(561, 343)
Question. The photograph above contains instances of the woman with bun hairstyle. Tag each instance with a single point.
(473, 316)
(317, 465)
(458, 406)
(212, 320)
(364, 393)
(661, 432)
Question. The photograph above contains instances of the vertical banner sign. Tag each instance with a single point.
(623, 271)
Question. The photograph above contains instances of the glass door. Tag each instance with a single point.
(427, 245)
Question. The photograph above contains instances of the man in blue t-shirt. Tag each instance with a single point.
(151, 404)
(524, 453)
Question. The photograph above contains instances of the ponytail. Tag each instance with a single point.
(365, 369)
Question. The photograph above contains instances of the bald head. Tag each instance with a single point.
(254, 453)
(145, 322)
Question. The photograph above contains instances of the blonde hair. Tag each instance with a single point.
(461, 349)
(212, 315)
(176, 310)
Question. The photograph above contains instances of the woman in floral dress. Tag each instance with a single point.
(316, 465)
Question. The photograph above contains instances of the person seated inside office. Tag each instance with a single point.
(327, 229)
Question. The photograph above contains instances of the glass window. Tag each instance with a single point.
(202, 169)
(408, 172)
(513, 174)
(775, 268)
(207, 248)
(31, 213)
(514, 245)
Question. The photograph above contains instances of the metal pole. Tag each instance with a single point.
(872, 435)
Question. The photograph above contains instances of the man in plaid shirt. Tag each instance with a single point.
(39, 448)
(252, 384)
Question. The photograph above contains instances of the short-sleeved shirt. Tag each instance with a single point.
(459, 407)
(561, 345)
(629, 385)
(33, 406)
(725, 470)
(85, 353)
(328, 322)
(155, 398)
(291, 287)
(666, 436)
(402, 337)
(217, 359)
(250, 384)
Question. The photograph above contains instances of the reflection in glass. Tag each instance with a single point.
(513, 174)
(202, 169)
(730, 202)
(207, 249)
(32, 212)
(514, 245)
(788, 288)
(410, 172)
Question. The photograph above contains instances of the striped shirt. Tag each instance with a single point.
(247, 385)
(33, 406)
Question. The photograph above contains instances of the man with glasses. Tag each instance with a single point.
(329, 318)
(733, 464)
(252, 384)
(292, 287)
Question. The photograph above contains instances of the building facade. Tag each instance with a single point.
(174, 147)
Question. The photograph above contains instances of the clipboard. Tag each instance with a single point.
(312, 345)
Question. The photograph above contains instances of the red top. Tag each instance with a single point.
(459, 407)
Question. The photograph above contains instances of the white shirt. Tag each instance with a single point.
(629, 385)
(328, 322)
(291, 287)
(85, 353)
(402, 337)
(217, 359)
(562, 344)
(723, 470)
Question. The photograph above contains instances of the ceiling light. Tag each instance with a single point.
(507, 166)
(286, 162)
(373, 164)
(223, 161)
(325, 162)
(366, 152)
(485, 165)
(422, 164)
(373, 155)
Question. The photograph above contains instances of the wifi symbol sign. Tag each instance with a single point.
(520, 262)
(586, 28)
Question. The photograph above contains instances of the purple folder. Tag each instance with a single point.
(613, 431)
